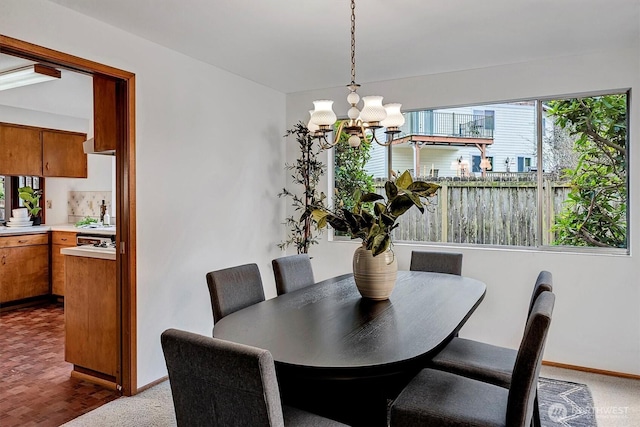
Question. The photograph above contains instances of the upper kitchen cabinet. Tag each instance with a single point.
(33, 151)
(20, 150)
(105, 130)
(62, 154)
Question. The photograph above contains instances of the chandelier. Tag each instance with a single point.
(373, 115)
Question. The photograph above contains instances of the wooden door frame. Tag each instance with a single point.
(125, 190)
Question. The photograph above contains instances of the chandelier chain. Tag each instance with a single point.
(353, 42)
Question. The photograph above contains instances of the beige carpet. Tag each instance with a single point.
(151, 408)
(616, 404)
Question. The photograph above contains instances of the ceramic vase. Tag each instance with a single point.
(375, 277)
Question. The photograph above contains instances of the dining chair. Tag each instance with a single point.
(436, 262)
(292, 272)
(439, 398)
(482, 361)
(234, 288)
(221, 383)
(486, 362)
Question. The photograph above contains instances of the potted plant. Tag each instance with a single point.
(372, 219)
(31, 200)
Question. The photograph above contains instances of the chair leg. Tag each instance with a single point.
(535, 420)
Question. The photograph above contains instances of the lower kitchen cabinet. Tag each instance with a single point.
(90, 309)
(24, 262)
(59, 240)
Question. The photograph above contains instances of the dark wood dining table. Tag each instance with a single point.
(343, 355)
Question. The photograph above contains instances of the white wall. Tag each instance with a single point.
(596, 322)
(207, 179)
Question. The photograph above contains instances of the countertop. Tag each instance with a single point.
(90, 252)
(39, 229)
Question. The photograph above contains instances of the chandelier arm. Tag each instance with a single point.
(325, 144)
(384, 144)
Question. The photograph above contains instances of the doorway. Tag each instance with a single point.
(125, 190)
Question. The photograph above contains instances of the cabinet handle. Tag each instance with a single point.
(47, 166)
(4, 260)
(22, 241)
(64, 240)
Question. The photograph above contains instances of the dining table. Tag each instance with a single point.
(345, 356)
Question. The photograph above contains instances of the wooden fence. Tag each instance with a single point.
(484, 212)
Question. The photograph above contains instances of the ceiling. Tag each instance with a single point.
(297, 45)
(294, 46)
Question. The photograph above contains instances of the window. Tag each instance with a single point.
(9, 199)
(580, 156)
(524, 164)
(475, 163)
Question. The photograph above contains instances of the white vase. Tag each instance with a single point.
(375, 277)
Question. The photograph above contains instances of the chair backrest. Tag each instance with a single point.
(220, 383)
(524, 381)
(234, 288)
(292, 273)
(544, 282)
(436, 262)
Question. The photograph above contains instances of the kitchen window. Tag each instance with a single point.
(558, 175)
(9, 199)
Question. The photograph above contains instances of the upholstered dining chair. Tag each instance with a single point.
(292, 272)
(222, 383)
(436, 262)
(485, 362)
(234, 288)
(438, 398)
(482, 361)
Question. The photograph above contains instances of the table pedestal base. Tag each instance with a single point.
(357, 402)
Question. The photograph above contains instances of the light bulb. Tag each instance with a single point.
(394, 116)
(372, 111)
(312, 126)
(323, 114)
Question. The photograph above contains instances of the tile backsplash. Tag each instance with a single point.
(82, 204)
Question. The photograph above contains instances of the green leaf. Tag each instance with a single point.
(380, 244)
(405, 180)
(370, 197)
(391, 189)
(400, 205)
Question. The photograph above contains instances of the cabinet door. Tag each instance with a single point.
(90, 314)
(105, 117)
(57, 270)
(63, 154)
(20, 151)
(59, 240)
(25, 272)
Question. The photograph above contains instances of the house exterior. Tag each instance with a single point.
(507, 129)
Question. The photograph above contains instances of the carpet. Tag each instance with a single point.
(562, 404)
(566, 404)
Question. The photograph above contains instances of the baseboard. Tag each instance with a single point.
(591, 370)
(111, 385)
(151, 384)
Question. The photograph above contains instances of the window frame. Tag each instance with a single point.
(539, 136)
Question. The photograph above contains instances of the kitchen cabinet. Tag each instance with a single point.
(63, 155)
(24, 263)
(33, 151)
(105, 113)
(59, 240)
(20, 150)
(90, 310)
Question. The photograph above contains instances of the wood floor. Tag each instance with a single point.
(35, 386)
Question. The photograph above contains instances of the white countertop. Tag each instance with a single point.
(39, 229)
(90, 252)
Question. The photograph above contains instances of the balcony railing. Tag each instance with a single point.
(447, 124)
